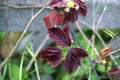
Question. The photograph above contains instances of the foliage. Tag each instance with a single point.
(71, 58)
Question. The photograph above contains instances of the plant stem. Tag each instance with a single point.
(24, 32)
(37, 52)
(21, 66)
(35, 63)
(90, 60)
(5, 71)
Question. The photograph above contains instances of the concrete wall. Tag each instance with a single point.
(18, 18)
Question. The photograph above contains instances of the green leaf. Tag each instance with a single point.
(64, 75)
(2, 37)
(46, 77)
(101, 68)
(15, 73)
(93, 76)
(64, 51)
(48, 69)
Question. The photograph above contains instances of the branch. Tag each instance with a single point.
(37, 52)
(91, 45)
(21, 37)
(19, 7)
(90, 60)
(102, 43)
(97, 53)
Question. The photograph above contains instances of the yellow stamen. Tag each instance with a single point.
(67, 10)
(70, 4)
(104, 61)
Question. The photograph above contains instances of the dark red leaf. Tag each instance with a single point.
(48, 21)
(52, 55)
(73, 57)
(60, 37)
(115, 71)
(58, 18)
(54, 17)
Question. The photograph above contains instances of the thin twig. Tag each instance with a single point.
(77, 24)
(98, 22)
(113, 34)
(35, 64)
(21, 66)
(90, 60)
(90, 44)
(92, 51)
(112, 52)
(100, 18)
(20, 7)
(94, 31)
(37, 52)
(115, 62)
(102, 42)
(84, 68)
(118, 56)
(21, 37)
(110, 43)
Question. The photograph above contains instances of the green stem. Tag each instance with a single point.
(35, 64)
(21, 65)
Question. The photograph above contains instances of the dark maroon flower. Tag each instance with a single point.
(73, 57)
(59, 36)
(73, 14)
(52, 55)
(82, 8)
(71, 8)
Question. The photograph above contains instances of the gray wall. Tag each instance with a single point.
(17, 19)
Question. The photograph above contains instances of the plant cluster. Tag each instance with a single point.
(64, 13)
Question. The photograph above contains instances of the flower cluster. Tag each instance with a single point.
(70, 8)
(64, 13)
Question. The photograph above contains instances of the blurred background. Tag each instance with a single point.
(101, 26)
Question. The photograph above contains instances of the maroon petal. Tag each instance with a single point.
(52, 55)
(60, 37)
(73, 57)
(115, 71)
(82, 8)
(71, 17)
(55, 17)
(58, 4)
